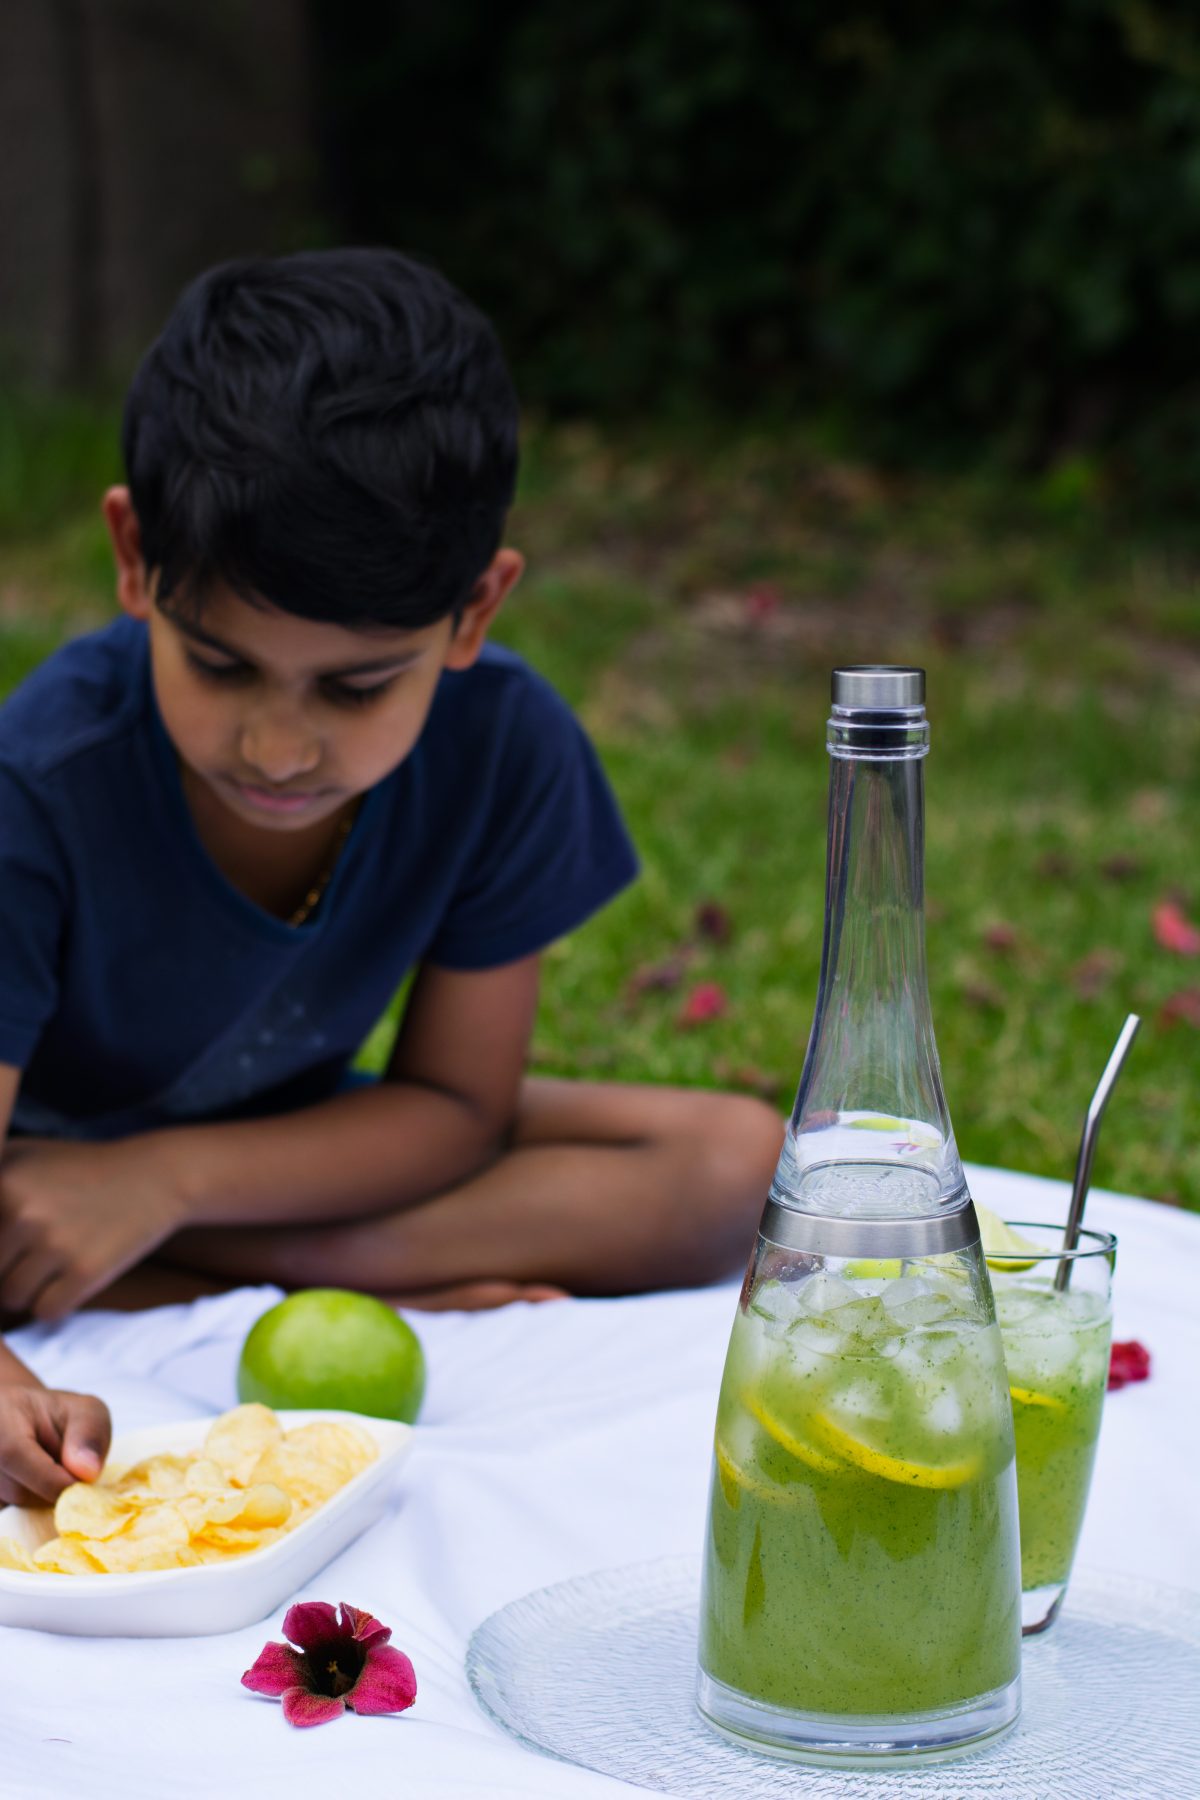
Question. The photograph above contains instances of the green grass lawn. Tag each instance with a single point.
(689, 595)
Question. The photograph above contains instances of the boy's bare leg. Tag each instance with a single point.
(605, 1188)
(157, 1284)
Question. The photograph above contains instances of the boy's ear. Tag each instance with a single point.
(491, 591)
(134, 589)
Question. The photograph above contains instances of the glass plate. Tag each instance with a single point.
(599, 1671)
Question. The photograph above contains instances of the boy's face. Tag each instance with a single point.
(285, 720)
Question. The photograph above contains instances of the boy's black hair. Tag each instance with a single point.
(334, 433)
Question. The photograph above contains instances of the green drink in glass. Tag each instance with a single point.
(862, 1589)
(861, 1550)
(1056, 1345)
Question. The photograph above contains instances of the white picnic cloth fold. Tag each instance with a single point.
(556, 1439)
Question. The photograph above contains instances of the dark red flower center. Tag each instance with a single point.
(335, 1671)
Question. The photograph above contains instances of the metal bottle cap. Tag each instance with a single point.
(818, 1234)
(878, 687)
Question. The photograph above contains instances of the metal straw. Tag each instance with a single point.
(1087, 1146)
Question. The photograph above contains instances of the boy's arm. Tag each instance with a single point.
(47, 1438)
(442, 1112)
(84, 1213)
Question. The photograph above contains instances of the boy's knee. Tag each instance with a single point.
(724, 1172)
(743, 1137)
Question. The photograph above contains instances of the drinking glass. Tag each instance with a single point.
(1056, 1346)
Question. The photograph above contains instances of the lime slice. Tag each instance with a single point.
(880, 1269)
(1002, 1246)
(895, 1468)
(787, 1440)
(1027, 1397)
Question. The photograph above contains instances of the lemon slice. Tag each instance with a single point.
(1002, 1246)
(735, 1480)
(895, 1468)
(1027, 1397)
(787, 1440)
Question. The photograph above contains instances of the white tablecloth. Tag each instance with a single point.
(555, 1439)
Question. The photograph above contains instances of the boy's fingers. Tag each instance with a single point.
(31, 1479)
(29, 1475)
(24, 1281)
(87, 1432)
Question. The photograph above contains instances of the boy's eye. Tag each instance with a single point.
(217, 671)
(343, 695)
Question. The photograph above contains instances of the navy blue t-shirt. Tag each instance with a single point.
(139, 988)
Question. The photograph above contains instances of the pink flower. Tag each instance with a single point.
(1129, 1361)
(706, 1001)
(1174, 930)
(339, 1663)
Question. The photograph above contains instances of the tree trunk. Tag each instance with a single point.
(140, 140)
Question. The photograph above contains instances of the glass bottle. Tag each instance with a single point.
(861, 1597)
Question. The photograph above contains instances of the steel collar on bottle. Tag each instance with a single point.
(878, 687)
(821, 1234)
(878, 714)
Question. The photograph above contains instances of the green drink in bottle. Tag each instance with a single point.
(861, 1594)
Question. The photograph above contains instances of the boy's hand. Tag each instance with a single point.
(48, 1439)
(75, 1216)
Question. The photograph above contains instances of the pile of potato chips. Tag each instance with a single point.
(249, 1484)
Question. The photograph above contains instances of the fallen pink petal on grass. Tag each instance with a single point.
(1182, 1006)
(1094, 972)
(761, 603)
(713, 922)
(1174, 930)
(1002, 938)
(341, 1661)
(1121, 867)
(661, 977)
(706, 1001)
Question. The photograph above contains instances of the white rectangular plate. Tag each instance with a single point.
(213, 1596)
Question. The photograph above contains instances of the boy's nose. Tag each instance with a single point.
(279, 751)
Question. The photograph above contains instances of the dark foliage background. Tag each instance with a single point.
(944, 230)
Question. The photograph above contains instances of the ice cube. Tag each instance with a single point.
(1015, 1305)
(863, 1399)
(925, 1309)
(1052, 1354)
(777, 1304)
(910, 1359)
(942, 1344)
(903, 1289)
(867, 1324)
(815, 1336)
(944, 1412)
(824, 1292)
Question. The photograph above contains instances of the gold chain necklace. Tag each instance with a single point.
(312, 899)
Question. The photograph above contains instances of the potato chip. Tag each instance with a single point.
(238, 1438)
(308, 1480)
(247, 1508)
(92, 1510)
(15, 1556)
(155, 1475)
(332, 1443)
(154, 1538)
(243, 1490)
(119, 1556)
(65, 1556)
(207, 1477)
(231, 1540)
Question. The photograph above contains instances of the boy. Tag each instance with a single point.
(230, 823)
